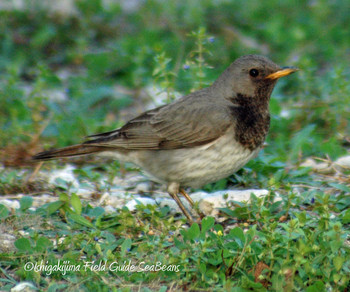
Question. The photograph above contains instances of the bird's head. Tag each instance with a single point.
(251, 76)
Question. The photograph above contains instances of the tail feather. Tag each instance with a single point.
(75, 150)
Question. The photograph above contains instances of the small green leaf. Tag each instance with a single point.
(218, 227)
(61, 183)
(96, 212)
(80, 220)
(25, 202)
(338, 262)
(163, 289)
(228, 212)
(64, 197)
(301, 217)
(4, 212)
(76, 203)
(54, 206)
(193, 232)
(238, 235)
(43, 244)
(43, 36)
(179, 244)
(202, 268)
(126, 245)
(239, 289)
(53, 287)
(251, 285)
(346, 217)
(207, 223)
(23, 244)
(340, 187)
(316, 287)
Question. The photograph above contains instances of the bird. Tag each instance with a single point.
(199, 138)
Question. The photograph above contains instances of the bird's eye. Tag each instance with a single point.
(254, 72)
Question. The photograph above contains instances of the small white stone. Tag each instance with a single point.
(322, 167)
(210, 203)
(23, 233)
(65, 174)
(309, 162)
(38, 201)
(131, 205)
(109, 209)
(142, 187)
(172, 204)
(343, 162)
(104, 197)
(121, 194)
(84, 193)
(108, 200)
(10, 204)
(24, 287)
(6, 242)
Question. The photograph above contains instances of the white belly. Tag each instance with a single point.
(195, 166)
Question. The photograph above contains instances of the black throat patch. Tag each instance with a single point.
(252, 120)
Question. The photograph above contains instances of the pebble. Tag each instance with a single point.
(7, 242)
(131, 205)
(66, 174)
(321, 167)
(110, 210)
(38, 201)
(211, 203)
(10, 204)
(24, 287)
(114, 201)
(343, 163)
(143, 187)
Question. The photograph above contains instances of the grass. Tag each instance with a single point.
(65, 77)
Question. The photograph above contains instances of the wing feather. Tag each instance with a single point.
(186, 123)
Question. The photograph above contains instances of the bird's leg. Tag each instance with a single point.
(173, 190)
(189, 199)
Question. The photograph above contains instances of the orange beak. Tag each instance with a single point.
(281, 73)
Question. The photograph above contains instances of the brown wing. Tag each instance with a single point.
(185, 123)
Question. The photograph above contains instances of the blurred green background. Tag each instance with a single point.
(70, 71)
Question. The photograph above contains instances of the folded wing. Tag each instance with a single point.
(186, 123)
